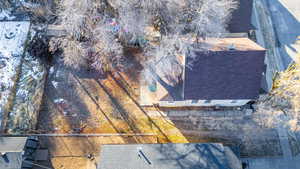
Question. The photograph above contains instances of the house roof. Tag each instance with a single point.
(15, 161)
(225, 74)
(163, 156)
(12, 144)
(241, 17)
(13, 148)
(19, 152)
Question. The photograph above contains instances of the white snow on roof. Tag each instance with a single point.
(13, 36)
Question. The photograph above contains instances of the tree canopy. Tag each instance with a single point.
(99, 30)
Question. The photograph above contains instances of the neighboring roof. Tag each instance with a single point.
(241, 17)
(163, 156)
(19, 151)
(241, 44)
(225, 74)
(12, 144)
(13, 148)
(15, 161)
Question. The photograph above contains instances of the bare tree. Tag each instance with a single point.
(39, 11)
(208, 18)
(75, 16)
(133, 20)
(164, 59)
(107, 49)
(74, 53)
(178, 21)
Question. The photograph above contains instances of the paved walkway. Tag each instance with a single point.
(284, 142)
(285, 15)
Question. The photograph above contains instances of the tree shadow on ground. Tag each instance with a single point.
(204, 156)
(61, 102)
(130, 120)
(73, 87)
(124, 115)
(130, 95)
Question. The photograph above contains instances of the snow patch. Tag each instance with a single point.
(55, 84)
(59, 100)
(6, 15)
(13, 36)
(51, 71)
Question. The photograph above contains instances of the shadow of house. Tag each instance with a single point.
(175, 93)
(62, 101)
(90, 74)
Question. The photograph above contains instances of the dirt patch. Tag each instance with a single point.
(88, 102)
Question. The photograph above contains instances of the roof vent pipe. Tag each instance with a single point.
(231, 47)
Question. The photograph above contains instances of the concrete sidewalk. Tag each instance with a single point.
(287, 161)
(285, 15)
(278, 30)
(272, 163)
(266, 37)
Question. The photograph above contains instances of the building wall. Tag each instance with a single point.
(206, 103)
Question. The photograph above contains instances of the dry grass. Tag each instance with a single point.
(102, 106)
(282, 105)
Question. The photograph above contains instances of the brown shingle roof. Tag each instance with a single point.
(225, 74)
